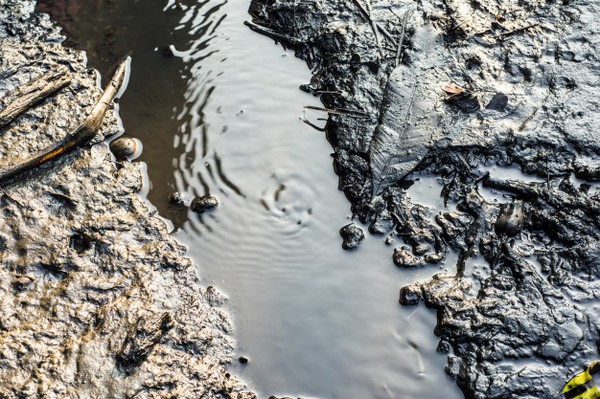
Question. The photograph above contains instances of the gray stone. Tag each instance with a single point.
(204, 203)
(352, 236)
(124, 148)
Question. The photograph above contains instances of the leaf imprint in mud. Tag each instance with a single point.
(405, 129)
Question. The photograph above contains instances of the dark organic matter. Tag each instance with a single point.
(476, 91)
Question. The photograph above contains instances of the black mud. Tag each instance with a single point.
(97, 299)
(471, 92)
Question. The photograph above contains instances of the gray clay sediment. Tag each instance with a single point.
(470, 92)
(98, 301)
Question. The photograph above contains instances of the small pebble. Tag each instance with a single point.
(410, 295)
(433, 258)
(124, 148)
(352, 236)
(403, 258)
(243, 360)
(204, 203)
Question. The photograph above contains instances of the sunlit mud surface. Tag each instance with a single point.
(218, 110)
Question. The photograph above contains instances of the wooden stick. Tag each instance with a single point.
(366, 14)
(374, 27)
(80, 136)
(272, 34)
(33, 92)
(336, 111)
(402, 35)
(512, 32)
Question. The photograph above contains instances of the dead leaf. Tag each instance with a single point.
(451, 88)
(406, 126)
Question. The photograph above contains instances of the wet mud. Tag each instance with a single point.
(97, 299)
(495, 101)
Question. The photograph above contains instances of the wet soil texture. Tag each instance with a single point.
(97, 299)
(469, 92)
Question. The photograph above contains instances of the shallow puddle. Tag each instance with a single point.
(218, 110)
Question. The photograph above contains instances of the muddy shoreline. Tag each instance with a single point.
(461, 91)
(98, 299)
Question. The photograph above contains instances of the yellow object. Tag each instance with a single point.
(582, 385)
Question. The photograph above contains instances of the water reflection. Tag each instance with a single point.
(169, 87)
(219, 110)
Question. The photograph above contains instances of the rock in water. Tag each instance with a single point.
(243, 360)
(124, 148)
(352, 236)
(204, 203)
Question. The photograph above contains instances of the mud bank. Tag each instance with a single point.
(496, 100)
(97, 299)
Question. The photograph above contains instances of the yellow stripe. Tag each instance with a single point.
(52, 154)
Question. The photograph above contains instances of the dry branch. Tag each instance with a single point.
(272, 34)
(402, 35)
(78, 137)
(33, 92)
(374, 24)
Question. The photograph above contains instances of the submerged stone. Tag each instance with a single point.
(352, 236)
(204, 203)
(124, 148)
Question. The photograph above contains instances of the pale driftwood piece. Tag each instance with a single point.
(32, 93)
(402, 35)
(79, 137)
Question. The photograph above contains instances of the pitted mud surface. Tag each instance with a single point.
(479, 90)
(97, 300)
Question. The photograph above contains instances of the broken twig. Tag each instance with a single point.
(402, 35)
(309, 123)
(374, 27)
(374, 24)
(33, 92)
(80, 136)
(272, 34)
(515, 31)
(336, 111)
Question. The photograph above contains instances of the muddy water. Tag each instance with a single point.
(218, 110)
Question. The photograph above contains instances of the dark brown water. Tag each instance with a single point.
(218, 110)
